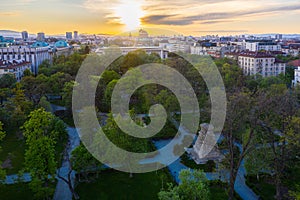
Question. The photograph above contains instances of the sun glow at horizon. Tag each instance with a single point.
(129, 14)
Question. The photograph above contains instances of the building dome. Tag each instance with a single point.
(61, 44)
(40, 44)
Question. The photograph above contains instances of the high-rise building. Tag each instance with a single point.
(69, 36)
(25, 35)
(76, 35)
(40, 37)
(278, 37)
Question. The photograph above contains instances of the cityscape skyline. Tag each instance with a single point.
(189, 17)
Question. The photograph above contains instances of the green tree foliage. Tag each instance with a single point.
(67, 94)
(2, 136)
(42, 132)
(232, 76)
(193, 186)
(279, 126)
(84, 163)
(4, 94)
(7, 81)
(136, 58)
(18, 106)
(27, 72)
(45, 104)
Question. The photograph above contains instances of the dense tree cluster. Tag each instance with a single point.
(261, 128)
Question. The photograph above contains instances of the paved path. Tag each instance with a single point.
(240, 184)
(14, 178)
(62, 191)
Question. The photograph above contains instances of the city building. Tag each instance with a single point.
(41, 37)
(14, 67)
(125, 50)
(34, 54)
(176, 47)
(261, 63)
(278, 37)
(292, 49)
(259, 45)
(296, 81)
(76, 36)
(69, 35)
(25, 35)
(143, 34)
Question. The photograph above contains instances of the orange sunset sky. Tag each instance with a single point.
(189, 17)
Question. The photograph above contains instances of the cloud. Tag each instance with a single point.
(223, 31)
(215, 17)
(217, 21)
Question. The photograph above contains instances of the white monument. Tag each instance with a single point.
(205, 147)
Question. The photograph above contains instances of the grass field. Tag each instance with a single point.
(15, 192)
(13, 149)
(114, 185)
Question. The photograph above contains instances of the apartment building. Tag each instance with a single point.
(14, 67)
(261, 63)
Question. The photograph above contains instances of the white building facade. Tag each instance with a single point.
(296, 80)
(256, 45)
(14, 67)
(264, 64)
(35, 56)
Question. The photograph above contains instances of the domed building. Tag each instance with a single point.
(39, 44)
(61, 44)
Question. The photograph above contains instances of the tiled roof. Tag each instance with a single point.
(13, 64)
(295, 63)
(253, 54)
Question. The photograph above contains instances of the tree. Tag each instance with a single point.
(168, 99)
(42, 131)
(45, 104)
(133, 59)
(36, 87)
(83, 163)
(280, 124)
(193, 186)
(7, 81)
(240, 128)
(18, 106)
(2, 136)
(4, 94)
(67, 94)
(27, 72)
(232, 76)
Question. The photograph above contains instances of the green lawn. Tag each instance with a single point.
(13, 148)
(118, 185)
(114, 185)
(15, 192)
(210, 166)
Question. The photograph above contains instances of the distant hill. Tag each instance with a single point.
(14, 34)
(8, 33)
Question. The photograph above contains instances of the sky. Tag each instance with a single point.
(187, 17)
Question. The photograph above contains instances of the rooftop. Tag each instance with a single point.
(253, 54)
